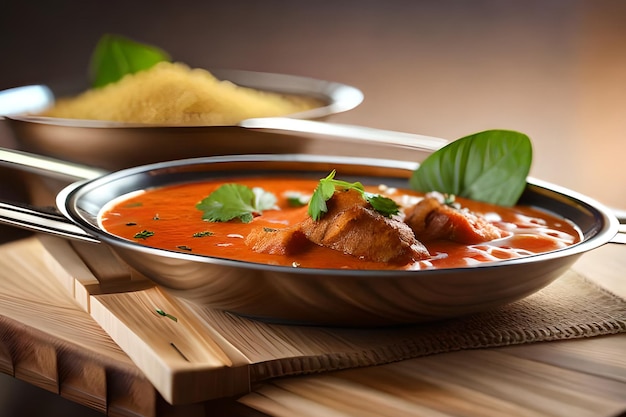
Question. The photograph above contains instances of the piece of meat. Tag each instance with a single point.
(353, 227)
(285, 241)
(430, 219)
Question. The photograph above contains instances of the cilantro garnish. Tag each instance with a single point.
(231, 201)
(326, 188)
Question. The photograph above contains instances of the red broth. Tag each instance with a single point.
(170, 214)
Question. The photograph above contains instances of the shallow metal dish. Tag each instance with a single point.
(323, 296)
(114, 146)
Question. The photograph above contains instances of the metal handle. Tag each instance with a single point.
(620, 237)
(37, 220)
(27, 99)
(357, 133)
(49, 167)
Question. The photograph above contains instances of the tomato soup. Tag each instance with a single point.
(167, 218)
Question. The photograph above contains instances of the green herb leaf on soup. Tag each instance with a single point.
(204, 233)
(116, 56)
(385, 206)
(323, 192)
(490, 166)
(326, 188)
(144, 234)
(231, 201)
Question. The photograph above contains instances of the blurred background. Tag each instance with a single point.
(553, 69)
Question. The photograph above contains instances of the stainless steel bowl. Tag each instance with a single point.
(114, 146)
(321, 296)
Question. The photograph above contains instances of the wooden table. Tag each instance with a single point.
(585, 377)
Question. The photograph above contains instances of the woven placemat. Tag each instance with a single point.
(571, 307)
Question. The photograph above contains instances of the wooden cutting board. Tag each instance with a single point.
(180, 355)
(193, 354)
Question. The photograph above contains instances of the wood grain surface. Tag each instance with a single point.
(53, 343)
(195, 353)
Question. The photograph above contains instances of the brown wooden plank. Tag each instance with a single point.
(600, 356)
(479, 383)
(83, 381)
(224, 353)
(37, 364)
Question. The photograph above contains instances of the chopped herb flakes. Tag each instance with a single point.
(164, 314)
(203, 234)
(144, 234)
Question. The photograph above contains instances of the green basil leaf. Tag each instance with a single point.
(116, 56)
(490, 166)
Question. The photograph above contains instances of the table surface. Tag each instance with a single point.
(582, 377)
